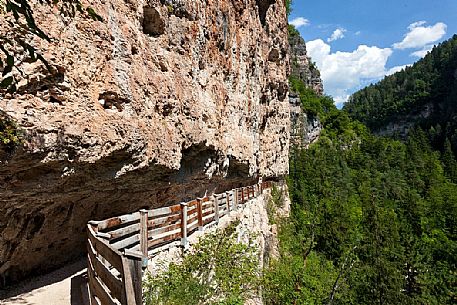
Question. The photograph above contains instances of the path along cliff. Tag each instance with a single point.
(159, 102)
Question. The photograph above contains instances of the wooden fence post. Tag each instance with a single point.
(132, 278)
(235, 198)
(242, 195)
(227, 198)
(216, 209)
(184, 224)
(144, 236)
(199, 214)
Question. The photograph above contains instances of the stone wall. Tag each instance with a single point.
(159, 102)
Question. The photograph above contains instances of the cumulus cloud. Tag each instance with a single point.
(396, 69)
(423, 52)
(299, 21)
(337, 34)
(343, 72)
(420, 35)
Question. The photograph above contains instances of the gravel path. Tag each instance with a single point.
(65, 286)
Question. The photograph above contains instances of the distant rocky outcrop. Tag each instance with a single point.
(159, 102)
(302, 65)
(305, 127)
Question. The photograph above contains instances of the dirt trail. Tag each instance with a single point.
(65, 286)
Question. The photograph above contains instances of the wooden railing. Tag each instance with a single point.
(119, 247)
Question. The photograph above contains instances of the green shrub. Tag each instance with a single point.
(288, 7)
(10, 135)
(218, 270)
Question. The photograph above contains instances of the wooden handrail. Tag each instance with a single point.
(118, 247)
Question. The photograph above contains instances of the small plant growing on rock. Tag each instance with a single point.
(218, 270)
(10, 135)
(274, 203)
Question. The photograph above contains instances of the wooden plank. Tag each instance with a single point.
(158, 222)
(222, 213)
(216, 209)
(110, 280)
(97, 288)
(209, 203)
(235, 198)
(193, 226)
(208, 209)
(132, 280)
(192, 210)
(168, 238)
(164, 211)
(144, 232)
(208, 219)
(135, 227)
(227, 200)
(105, 250)
(117, 221)
(93, 299)
(192, 203)
(192, 219)
(222, 204)
(135, 254)
(204, 214)
(153, 233)
(199, 214)
(126, 242)
(183, 225)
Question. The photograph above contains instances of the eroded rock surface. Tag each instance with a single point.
(302, 65)
(305, 128)
(159, 102)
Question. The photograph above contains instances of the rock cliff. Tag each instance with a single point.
(159, 102)
(305, 128)
(302, 65)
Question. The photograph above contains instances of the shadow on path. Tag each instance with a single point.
(64, 286)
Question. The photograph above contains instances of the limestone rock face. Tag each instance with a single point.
(302, 66)
(160, 102)
(305, 128)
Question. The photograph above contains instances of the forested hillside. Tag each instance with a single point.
(374, 221)
(424, 94)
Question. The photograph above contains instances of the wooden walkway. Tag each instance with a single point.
(119, 247)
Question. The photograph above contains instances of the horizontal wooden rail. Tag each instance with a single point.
(119, 247)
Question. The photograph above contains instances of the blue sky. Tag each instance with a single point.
(357, 42)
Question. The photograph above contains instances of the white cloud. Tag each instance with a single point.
(396, 69)
(337, 34)
(358, 33)
(299, 21)
(343, 72)
(423, 52)
(420, 35)
(416, 24)
(318, 50)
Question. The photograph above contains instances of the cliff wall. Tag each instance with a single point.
(160, 102)
(305, 128)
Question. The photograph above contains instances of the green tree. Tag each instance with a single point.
(218, 270)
